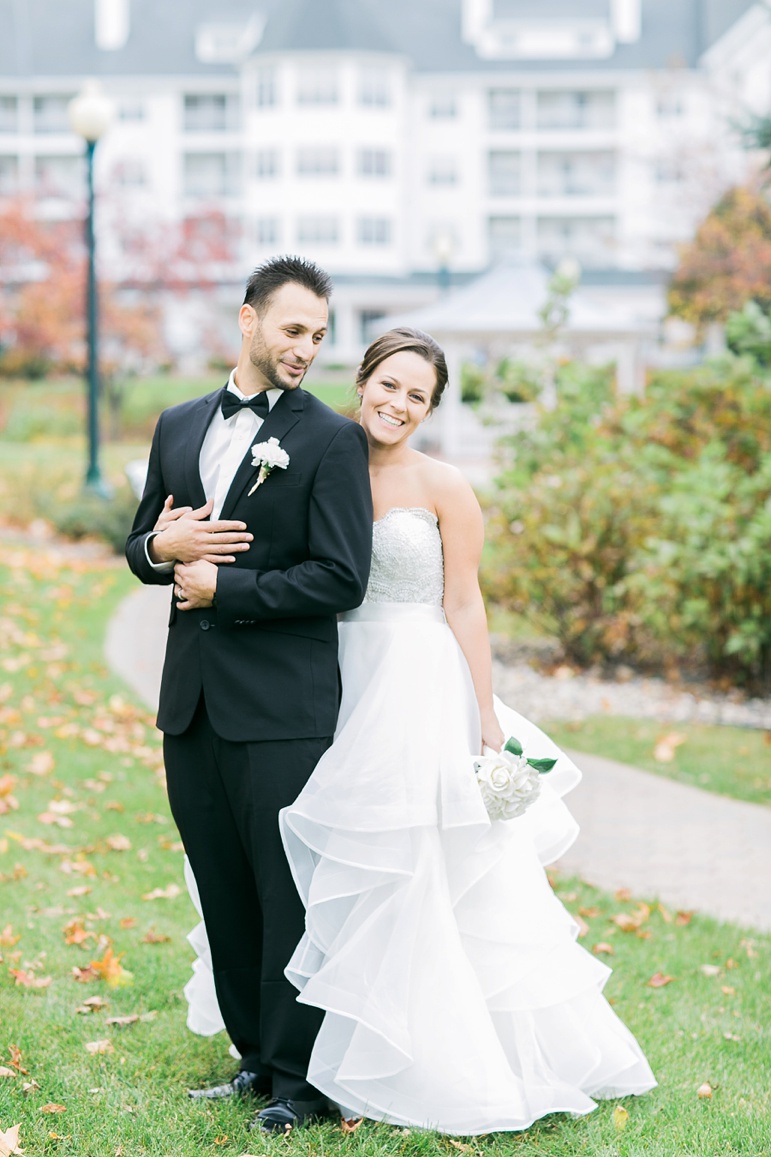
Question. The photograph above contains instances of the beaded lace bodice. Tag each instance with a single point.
(407, 561)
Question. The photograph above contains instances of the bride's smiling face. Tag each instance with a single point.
(396, 398)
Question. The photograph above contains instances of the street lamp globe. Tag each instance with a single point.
(90, 112)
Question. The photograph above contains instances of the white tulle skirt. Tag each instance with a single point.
(456, 996)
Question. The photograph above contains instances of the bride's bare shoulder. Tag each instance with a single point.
(445, 483)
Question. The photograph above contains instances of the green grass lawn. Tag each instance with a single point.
(86, 839)
(733, 761)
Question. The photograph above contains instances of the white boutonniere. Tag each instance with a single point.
(267, 455)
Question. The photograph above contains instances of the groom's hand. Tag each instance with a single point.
(186, 536)
(195, 584)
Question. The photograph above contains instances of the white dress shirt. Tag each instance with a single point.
(224, 446)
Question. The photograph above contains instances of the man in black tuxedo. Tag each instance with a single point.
(250, 687)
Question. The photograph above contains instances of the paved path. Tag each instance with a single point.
(659, 838)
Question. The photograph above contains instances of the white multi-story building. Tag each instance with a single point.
(402, 145)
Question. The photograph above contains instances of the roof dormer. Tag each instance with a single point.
(549, 29)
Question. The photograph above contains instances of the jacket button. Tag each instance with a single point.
(205, 624)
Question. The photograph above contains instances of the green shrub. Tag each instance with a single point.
(89, 516)
(32, 417)
(639, 528)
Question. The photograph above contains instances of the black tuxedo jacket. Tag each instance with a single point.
(266, 657)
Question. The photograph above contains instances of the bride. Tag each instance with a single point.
(456, 997)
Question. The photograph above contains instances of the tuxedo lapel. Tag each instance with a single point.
(285, 414)
(195, 433)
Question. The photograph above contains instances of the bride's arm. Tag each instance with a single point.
(462, 529)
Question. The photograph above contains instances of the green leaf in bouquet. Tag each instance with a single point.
(513, 745)
(542, 765)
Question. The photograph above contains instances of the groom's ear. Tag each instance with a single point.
(247, 319)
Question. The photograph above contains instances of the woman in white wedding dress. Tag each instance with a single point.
(455, 993)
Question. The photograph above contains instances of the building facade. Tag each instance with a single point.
(403, 146)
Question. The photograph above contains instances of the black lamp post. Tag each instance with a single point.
(90, 115)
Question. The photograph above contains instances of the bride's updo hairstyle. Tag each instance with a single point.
(398, 340)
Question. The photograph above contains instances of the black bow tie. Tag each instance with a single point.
(232, 405)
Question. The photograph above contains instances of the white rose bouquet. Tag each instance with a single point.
(510, 781)
(267, 455)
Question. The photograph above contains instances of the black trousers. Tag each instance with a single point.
(225, 798)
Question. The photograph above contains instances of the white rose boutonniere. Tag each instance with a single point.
(267, 455)
(510, 781)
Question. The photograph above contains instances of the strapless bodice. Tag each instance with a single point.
(407, 561)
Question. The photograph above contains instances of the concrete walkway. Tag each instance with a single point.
(690, 848)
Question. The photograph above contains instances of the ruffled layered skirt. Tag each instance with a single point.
(455, 993)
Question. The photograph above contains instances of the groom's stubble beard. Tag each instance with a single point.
(268, 366)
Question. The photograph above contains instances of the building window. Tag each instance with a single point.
(129, 174)
(594, 110)
(317, 86)
(576, 174)
(209, 113)
(442, 171)
(504, 174)
(9, 176)
(374, 89)
(49, 114)
(266, 231)
(374, 163)
(9, 114)
(505, 108)
(367, 319)
(443, 106)
(60, 177)
(589, 238)
(504, 235)
(374, 231)
(318, 230)
(266, 164)
(266, 95)
(318, 161)
(669, 105)
(210, 174)
(668, 171)
(131, 111)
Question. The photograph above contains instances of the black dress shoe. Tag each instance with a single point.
(243, 1084)
(281, 1115)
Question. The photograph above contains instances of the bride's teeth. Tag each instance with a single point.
(389, 421)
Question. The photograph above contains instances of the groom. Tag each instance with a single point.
(261, 563)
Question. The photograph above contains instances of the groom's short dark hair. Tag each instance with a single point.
(269, 277)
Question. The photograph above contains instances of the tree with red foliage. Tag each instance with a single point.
(728, 263)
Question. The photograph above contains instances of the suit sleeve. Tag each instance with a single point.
(334, 576)
(150, 507)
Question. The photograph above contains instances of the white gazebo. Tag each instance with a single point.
(497, 315)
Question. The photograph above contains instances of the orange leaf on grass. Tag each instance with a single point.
(84, 975)
(42, 763)
(683, 918)
(666, 747)
(25, 979)
(75, 933)
(350, 1124)
(110, 969)
(9, 1142)
(52, 1107)
(603, 949)
(7, 938)
(620, 1117)
(153, 937)
(99, 1046)
(168, 893)
(4, 1072)
(659, 979)
(704, 1092)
